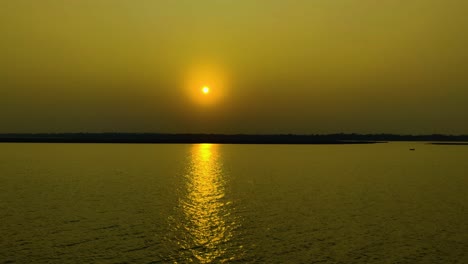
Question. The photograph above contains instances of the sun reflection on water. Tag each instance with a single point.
(207, 224)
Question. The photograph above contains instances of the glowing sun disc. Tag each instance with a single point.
(206, 90)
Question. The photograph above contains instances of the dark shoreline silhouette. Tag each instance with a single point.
(222, 138)
(450, 143)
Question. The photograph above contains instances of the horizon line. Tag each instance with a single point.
(234, 134)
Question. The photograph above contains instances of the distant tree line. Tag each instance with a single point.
(340, 138)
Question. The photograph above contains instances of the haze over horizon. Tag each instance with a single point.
(302, 67)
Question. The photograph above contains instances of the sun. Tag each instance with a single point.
(206, 89)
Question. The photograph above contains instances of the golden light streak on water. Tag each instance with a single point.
(205, 210)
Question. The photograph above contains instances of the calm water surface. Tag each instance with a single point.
(203, 203)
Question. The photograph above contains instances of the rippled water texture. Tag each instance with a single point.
(204, 224)
(204, 203)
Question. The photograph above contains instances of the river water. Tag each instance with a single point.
(208, 203)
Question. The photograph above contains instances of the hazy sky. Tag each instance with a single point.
(289, 66)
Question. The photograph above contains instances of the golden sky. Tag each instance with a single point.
(296, 66)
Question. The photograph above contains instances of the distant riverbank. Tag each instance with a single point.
(156, 138)
(176, 138)
(451, 143)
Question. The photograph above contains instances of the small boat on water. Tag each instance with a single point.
(412, 149)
